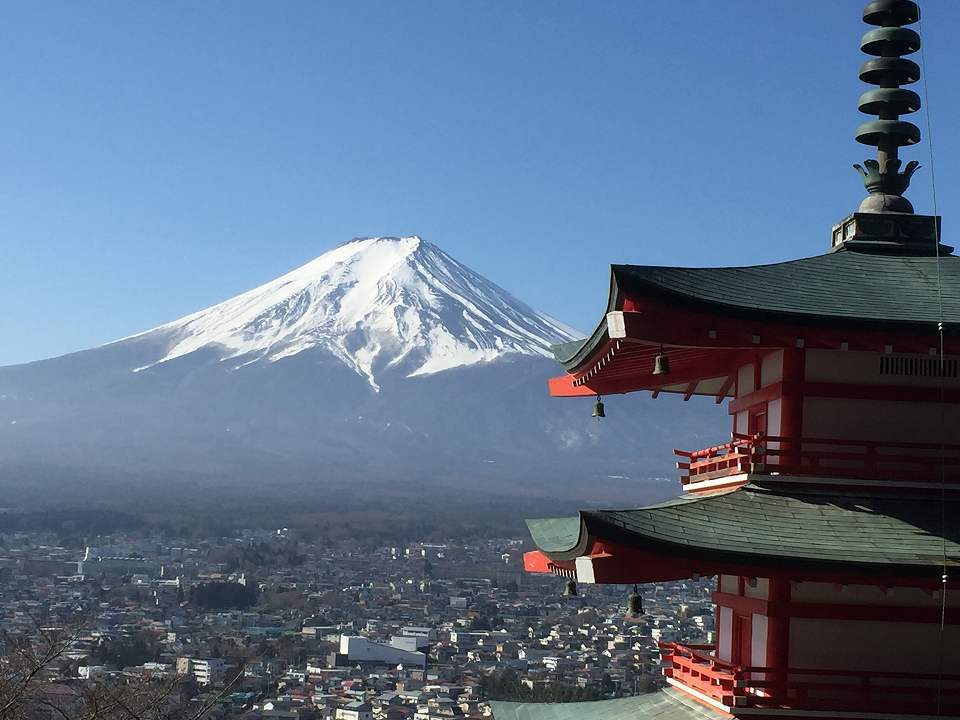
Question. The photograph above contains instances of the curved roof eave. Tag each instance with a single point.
(573, 354)
(875, 532)
(841, 288)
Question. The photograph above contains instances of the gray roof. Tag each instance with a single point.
(845, 287)
(666, 704)
(842, 284)
(775, 524)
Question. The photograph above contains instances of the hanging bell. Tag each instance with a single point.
(661, 364)
(634, 606)
(570, 589)
(598, 408)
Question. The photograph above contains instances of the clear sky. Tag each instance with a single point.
(158, 157)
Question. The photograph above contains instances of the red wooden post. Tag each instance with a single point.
(871, 460)
(778, 634)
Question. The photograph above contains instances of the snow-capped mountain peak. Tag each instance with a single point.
(374, 303)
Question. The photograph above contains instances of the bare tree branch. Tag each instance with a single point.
(24, 687)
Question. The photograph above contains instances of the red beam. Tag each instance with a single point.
(659, 322)
(757, 397)
(780, 607)
(651, 323)
(740, 604)
(889, 613)
(846, 391)
(641, 567)
(615, 563)
(879, 392)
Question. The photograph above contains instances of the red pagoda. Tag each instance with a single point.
(829, 516)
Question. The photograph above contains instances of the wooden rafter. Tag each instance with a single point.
(725, 388)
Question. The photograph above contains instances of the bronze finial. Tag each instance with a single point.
(888, 70)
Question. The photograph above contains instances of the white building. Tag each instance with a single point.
(206, 671)
(361, 650)
(94, 564)
(355, 711)
(419, 631)
(408, 642)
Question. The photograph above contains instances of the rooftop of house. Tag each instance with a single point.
(666, 704)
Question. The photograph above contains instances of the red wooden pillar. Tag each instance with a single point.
(778, 634)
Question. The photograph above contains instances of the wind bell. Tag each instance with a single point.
(598, 409)
(634, 606)
(661, 364)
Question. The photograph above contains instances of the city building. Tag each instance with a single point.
(830, 516)
(94, 564)
(355, 711)
(355, 649)
(206, 671)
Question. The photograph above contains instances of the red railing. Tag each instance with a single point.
(888, 692)
(822, 457)
(809, 689)
(696, 667)
(719, 461)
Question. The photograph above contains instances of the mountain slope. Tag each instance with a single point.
(383, 366)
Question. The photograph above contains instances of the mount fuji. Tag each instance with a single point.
(382, 366)
(374, 304)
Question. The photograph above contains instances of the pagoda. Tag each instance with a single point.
(829, 514)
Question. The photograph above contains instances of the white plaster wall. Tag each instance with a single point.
(761, 591)
(730, 584)
(774, 426)
(771, 368)
(862, 368)
(839, 366)
(869, 645)
(879, 420)
(741, 423)
(758, 640)
(725, 634)
(745, 380)
(773, 416)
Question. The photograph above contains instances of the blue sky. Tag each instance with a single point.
(158, 157)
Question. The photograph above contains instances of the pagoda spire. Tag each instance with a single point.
(887, 69)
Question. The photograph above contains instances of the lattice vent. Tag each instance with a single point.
(913, 366)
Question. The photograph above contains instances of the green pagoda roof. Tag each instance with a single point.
(664, 705)
(858, 289)
(774, 525)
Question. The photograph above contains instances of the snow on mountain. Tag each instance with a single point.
(375, 304)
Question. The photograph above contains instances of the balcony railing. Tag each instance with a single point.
(732, 458)
(822, 457)
(696, 667)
